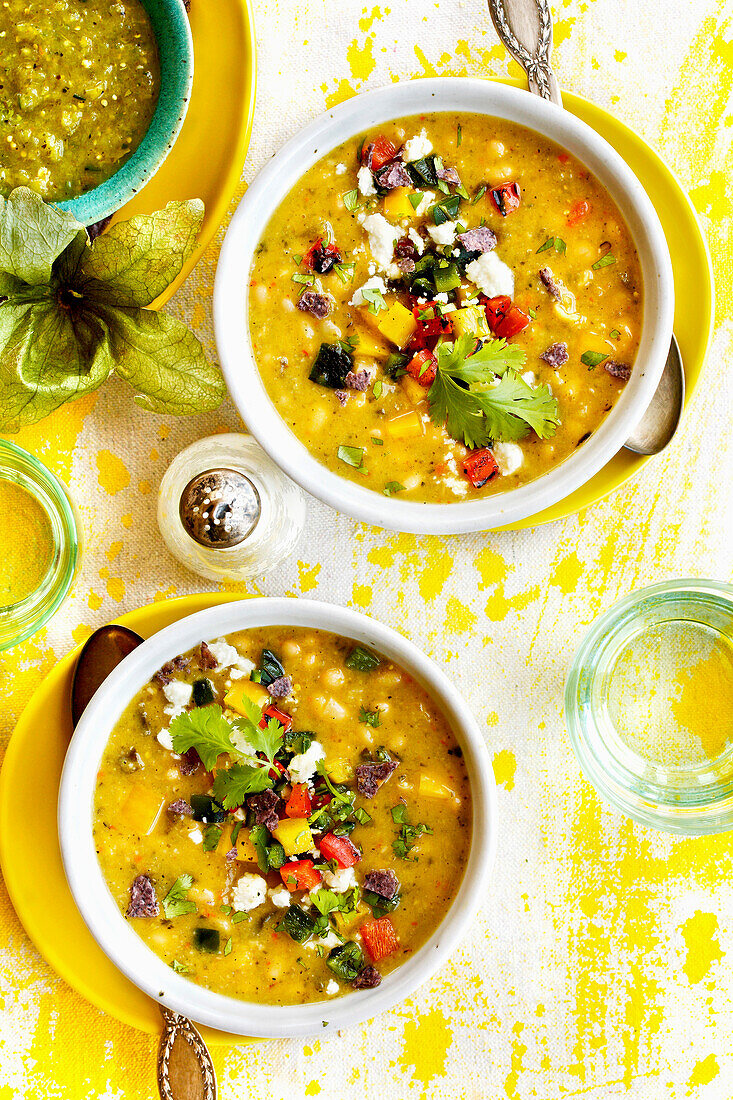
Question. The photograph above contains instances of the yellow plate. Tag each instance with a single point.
(207, 159)
(693, 282)
(30, 855)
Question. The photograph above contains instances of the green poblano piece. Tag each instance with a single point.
(32, 235)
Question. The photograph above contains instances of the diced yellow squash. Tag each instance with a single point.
(294, 833)
(405, 426)
(340, 770)
(432, 788)
(413, 390)
(246, 689)
(141, 809)
(397, 204)
(346, 922)
(246, 851)
(470, 320)
(368, 343)
(397, 324)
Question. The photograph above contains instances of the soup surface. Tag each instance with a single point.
(445, 307)
(79, 82)
(283, 815)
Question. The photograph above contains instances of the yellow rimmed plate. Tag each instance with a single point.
(31, 855)
(207, 159)
(693, 281)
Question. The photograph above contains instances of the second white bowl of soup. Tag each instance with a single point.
(459, 307)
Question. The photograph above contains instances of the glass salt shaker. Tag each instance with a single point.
(226, 511)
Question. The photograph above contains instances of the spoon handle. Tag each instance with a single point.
(525, 28)
(185, 1069)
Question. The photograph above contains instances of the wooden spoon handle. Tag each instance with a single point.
(525, 28)
(185, 1069)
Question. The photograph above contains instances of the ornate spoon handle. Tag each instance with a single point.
(185, 1069)
(525, 28)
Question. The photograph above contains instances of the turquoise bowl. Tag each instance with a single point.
(175, 49)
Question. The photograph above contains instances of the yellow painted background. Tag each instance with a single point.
(598, 966)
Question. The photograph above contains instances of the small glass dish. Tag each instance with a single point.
(649, 706)
(54, 551)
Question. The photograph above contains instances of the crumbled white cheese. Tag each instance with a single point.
(530, 378)
(510, 456)
(178, 695)
(441, 299)
(491, 275)
(165, 739)
(443, 234)
(196, 835)
(330, 940)
(340, 881)
(227, 656)
(366, 181)
(417, 240)
(332, 987)
(249, 892)
(425, 203)
(382, 237)
(303, 766)
(341, 169)
(280, 897)
(375, 283)
(418, 146)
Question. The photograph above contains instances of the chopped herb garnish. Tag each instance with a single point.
(593, 358)
(297, 259)
(351, 200)
(416, 198)
(481, 191)
(345, 272)
(362, 816)
(377, 391)
(362, 660)
(532, 313)
(212, 836)
(175, 902)
(393, 487)
(459, 135)
(446, 209)
(605, 261)
(375, 438)
(228, 946)
(239, 917)
(307, 280)
(225, 909)
(560, 245)
(179, 967)
(346, 960)
(546, 246)
(399, 813)
(374, 297)
(369, 717)
(81, 98)
(614, 334)
(352, 456)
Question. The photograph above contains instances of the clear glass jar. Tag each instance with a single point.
(20, 619)
(649, 706)
(281, 517)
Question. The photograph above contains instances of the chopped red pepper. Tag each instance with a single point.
(321, 257)
(272, 714)
(506, 197)
(430, 327)
(300, 875)
(505, 319)
(422, 367)
(379, 938)
(299, 804)
(377, 153)
(578, 212)
(339, 848)
(480, 466)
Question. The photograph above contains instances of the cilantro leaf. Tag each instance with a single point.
(268, 740)
(369, 717)
(513, 404)
(175, 902)
(233, 784)
(325, 901)
(204, 729)
(466, 365)
(458, 410)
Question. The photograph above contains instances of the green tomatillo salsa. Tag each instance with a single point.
(79, 82)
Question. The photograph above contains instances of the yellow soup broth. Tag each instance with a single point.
(376, 427)
(375, 795)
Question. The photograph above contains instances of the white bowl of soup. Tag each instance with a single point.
(444, 305)
(277, 816)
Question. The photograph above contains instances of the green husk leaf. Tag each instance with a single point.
(163, 361)
(133, 262)
(48, 355)
(32, 235)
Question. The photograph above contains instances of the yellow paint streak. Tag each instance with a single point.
(114, 550)
(519, 1049)
(112, 473)
(312, 1088)
(703, 1073)
(505, 767)
(340, 94)
(426, 1041)
(127, 520)
(567, 572)
(703, 949)
(308, 575)
(459, 619)
(116, 588)
(361, 58)
(368, 19)
(361, 594)
(94, 600)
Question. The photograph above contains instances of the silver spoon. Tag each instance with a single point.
(185, 1069)
(525, 28)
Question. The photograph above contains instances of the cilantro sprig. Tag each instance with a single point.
(480, 397)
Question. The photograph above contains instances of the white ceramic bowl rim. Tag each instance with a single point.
(365, 112)
(117, 937)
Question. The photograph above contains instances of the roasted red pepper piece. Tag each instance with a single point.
(300, 875)
(422, 367)
(480, 466)
(322, 257)
(578, 212)
(429, 328)
(506, 197)
(299, 804)
(339, 848)
(375, 154)
(505, 319)
(272, 714)
(380, 938)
